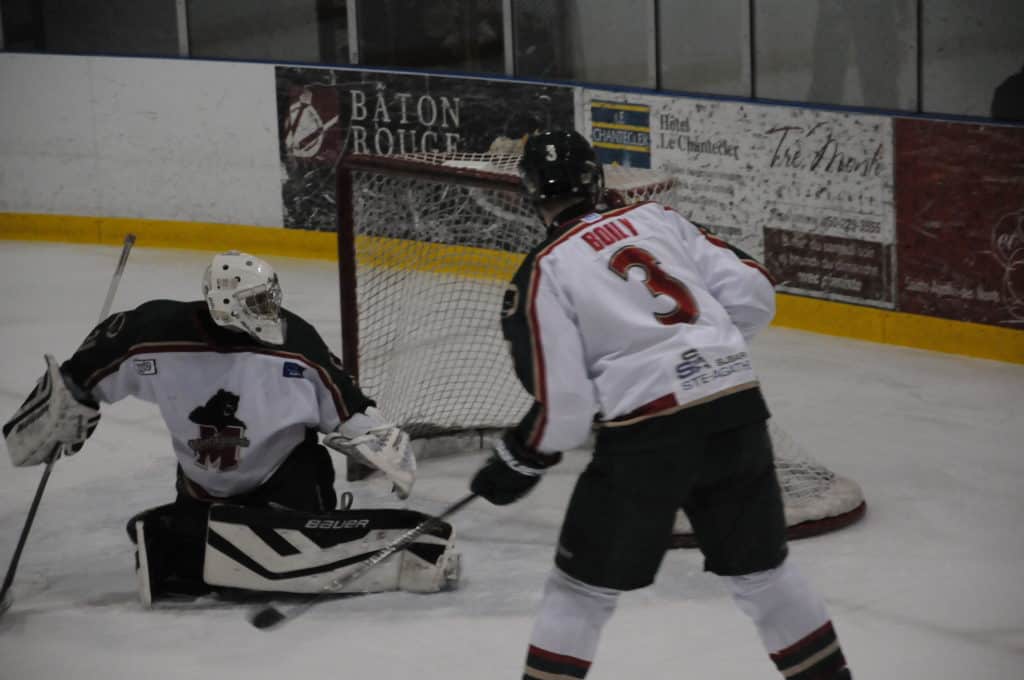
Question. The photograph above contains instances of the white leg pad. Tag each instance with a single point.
(142, 565)
(420, 575)
(281, 551)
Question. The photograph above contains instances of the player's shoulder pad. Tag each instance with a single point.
(302, 338)
(152, 321)
(157, 320)
(299, 329)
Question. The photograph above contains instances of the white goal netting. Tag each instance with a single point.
(433, 241)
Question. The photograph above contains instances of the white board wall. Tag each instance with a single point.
(148, 138)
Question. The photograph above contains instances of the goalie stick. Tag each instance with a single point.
(271, 617)
(5, 600)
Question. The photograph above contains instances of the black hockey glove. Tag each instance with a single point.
(512, 471)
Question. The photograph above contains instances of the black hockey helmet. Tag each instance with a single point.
(560, 163)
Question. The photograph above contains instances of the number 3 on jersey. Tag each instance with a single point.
(657, 283)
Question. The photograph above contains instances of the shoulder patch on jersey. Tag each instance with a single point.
(510, 302)
(145, 366)
(293, 370)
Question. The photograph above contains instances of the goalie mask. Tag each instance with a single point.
(243, 293)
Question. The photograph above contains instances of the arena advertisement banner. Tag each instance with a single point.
(960, 220)
(325, 112)
(807, 191)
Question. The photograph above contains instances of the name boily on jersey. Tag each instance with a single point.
(221, 433)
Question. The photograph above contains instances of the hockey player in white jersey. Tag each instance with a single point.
(636, 321)
(244, 386)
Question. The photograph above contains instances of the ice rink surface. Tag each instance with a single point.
(928, 586)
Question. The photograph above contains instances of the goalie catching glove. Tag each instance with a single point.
(56, 414)
(368, 438)
(512, 471)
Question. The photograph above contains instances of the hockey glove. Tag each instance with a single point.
(511, 472)
(370, 439)
(56, 414)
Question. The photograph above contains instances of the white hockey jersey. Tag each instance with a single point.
(234, 408)
(630, 313)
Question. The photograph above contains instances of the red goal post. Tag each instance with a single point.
(426, 246)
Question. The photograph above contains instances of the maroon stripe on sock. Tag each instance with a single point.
(810, 647)
(558, 658)
(807, 645)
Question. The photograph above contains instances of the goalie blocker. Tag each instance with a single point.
(283, 551)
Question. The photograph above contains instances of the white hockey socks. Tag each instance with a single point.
(792, 621)
(568, 628)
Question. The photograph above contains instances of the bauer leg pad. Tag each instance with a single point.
(168, 556)
(295, 552)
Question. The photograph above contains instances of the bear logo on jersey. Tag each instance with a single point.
(221, 434)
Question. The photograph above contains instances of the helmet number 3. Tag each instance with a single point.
(657, 282)
(550, 153)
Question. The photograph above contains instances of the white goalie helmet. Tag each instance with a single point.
(243, 293)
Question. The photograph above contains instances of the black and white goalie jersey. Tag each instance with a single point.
(235, 408)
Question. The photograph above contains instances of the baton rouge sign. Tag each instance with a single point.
(221, 434)
(326, 113)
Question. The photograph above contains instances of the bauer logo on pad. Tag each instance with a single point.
(145, 366)
(293, 370)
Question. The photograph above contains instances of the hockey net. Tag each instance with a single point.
(427, 244)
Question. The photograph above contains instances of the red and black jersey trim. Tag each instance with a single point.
(199, 347)
(544, 665)
(173, 326)
(816, 656)
(743, 256)
(539, 374)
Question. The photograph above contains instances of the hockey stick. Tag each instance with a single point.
(271, 617)
(5, 602)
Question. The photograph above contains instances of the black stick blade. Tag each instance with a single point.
(267, 617)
